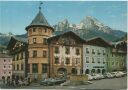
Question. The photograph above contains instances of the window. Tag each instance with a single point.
(21, 66)
(44, 68)
(44, 41)
(35, 68)
(93, 60)
(34, 54)
(77, 51)
(9, 66)
(4, 60)
(117, 63)
(56, 49)
(103, 52)
(28, 68)
(98, 52)
(112, 54)
(21, 55)
(87, 51)
(14, 67)
(44, 54)
(56, 60)
(17, 56)
(34, 40)
(28, 54)
(45, 30)
(67, 51)
(98, 59)
(103, 61)
(17, 67)
(13, 58)
(93, 51)
(4, 66)
(87, 59)
(112, 63)
(74, 71)
(77, 61)
(30, 31)
(67, 61)
(34, 29)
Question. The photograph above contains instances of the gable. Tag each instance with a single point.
(68, 38)
(98, 42)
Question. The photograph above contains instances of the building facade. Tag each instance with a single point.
(38, 32)
(65, 55)
(95, 56)
(5, 67)
(117, 57)
(18, 49)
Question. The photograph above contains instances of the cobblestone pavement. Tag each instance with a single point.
(115, 84)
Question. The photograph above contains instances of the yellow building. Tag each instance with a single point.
(18, 49)
(38, 32)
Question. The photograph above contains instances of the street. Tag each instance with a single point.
(115, 84)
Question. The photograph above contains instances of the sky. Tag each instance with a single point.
(16, 15)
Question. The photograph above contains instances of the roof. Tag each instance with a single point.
(2, 55)
(95, 41)
(39, 20)
(66, 33)
(13, 40)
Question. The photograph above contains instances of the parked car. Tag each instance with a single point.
(96, 77)
(114, 74)
(108, 75)
(101, 76)
(90, 77)
(120, 74)
(51, 81)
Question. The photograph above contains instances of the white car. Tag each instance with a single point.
(90, 77)
(109, 75)
(120, 74)
(101, 76)
(96, 77)
(114, 74)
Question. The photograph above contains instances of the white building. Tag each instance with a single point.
(95, 56)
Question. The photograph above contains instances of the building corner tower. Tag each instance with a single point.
(38, 32)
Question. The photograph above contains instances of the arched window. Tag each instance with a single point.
(98, 71)
(103, 71)
(93, 71)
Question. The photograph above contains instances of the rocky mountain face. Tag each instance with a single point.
(89, 27)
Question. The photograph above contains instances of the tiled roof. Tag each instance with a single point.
(70, 33)
(39, 20)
